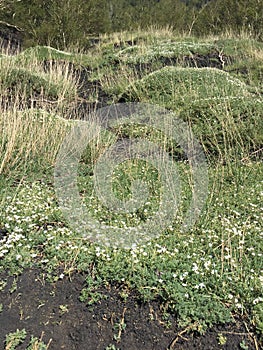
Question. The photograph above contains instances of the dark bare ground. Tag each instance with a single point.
(55, 311)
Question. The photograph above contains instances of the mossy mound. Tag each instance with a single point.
(33, 86)
(222, 112)
(29, 83)
(162, 49)
(45, 52)
(176, 87)
(242, 58)
(230, 129)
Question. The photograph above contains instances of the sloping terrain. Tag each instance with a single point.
(200, 289)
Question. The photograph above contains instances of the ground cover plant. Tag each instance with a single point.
(196, 289)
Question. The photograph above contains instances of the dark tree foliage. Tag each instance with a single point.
(62, 23)
(235, 15)
(59, 23)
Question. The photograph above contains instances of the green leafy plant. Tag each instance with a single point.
(221, 339)
(63, 309)
(37, 344)
(14, 339)
(243, 345)
(111, 347)
(120, 327)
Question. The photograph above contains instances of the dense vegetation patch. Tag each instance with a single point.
(205, 276)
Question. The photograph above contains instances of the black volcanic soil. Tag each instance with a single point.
(54, 311)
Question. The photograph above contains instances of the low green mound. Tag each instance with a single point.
(177, 87)
(231, 129)
(45, 53)
(224, 115)
(163, 49)
(242, 58)
(29, 83)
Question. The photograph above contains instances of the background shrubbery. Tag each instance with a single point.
(64, 23)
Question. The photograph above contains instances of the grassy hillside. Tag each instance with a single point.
(208, 275)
